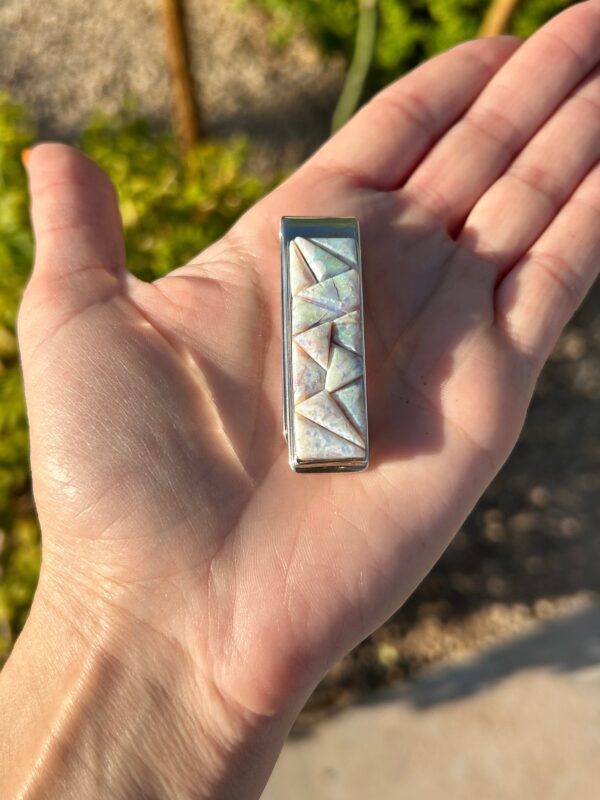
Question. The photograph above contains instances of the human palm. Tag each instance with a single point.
(160, 471)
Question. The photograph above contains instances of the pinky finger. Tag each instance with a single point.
(538, 296)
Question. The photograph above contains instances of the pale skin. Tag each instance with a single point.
(193, 588)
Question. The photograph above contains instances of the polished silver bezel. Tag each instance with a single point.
(319, 227)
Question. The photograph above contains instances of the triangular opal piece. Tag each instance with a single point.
(307, 376)
(323, 410)
(322, 264)
(315, 341)
(340, 293)
(344, 367)
(314, 443)
(306, 314)
(300, 275)
(351, 398)
(346, 248)
(347, 332)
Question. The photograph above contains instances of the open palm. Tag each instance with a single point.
(160, 471)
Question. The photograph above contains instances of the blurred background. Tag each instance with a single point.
(196, 109)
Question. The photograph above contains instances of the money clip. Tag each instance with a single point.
(324, 381)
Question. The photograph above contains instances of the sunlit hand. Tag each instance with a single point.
(191, 581)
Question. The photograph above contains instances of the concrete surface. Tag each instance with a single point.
(521, 722)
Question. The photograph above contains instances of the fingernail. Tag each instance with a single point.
(25, 153)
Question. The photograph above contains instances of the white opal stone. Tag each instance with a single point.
(329, 421)
(340, 294)
(322, 263)
(323, 410)
(315, 341)
(344, 367)
(306, 314)
(300, 275)
(346, 248)
(307, 376)
(352, 400)
(347, 332)
(314, 443)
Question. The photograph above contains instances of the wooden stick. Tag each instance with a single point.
(497, 17)
(187, 114)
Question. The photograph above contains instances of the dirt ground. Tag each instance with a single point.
(531, 549)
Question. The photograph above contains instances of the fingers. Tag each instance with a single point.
(539, 295)
(517, 208)
(389, 136)
(79, 250)
(511, 108)
(75, 214)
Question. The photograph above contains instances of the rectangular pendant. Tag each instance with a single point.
(324, 385)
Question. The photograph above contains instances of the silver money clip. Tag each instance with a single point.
(324, 379)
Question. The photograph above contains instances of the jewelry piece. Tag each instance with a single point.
(324, 386)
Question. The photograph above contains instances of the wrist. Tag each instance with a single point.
(95, 703)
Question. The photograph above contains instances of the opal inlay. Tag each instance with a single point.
(347, 331)
(351, 399)
(344, 367)
(329, 422)
(315, 342)
(346, 248)
(322, 409)
(300, 275)
(313, 441)
(306, 314)
(308, 376)
(341, 293)
(322, 263)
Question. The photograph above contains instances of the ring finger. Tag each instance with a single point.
(521, 204)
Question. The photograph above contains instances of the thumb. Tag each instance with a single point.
(79, 248)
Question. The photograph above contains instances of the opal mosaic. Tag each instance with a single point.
(327, 354)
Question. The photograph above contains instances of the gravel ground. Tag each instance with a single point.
(531, 549)
(66, 59)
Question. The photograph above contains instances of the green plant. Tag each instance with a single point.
(172, 206)
(408, 30)
(19, 547)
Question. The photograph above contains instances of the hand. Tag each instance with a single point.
(190, 580)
